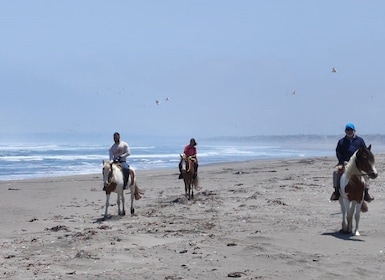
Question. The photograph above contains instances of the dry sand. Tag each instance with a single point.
(251, 220)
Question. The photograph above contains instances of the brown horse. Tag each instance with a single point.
(188, 176)
(357, 172)
(113, 182)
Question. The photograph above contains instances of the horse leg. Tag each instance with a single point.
(344, 208)
(350, 217)
(357, 217)
(185, 188)
(123, 201)
(132, 187)
(192, 189)
(118, 201)
(189, 189)
(107, 204)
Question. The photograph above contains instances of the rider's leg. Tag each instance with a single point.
(126, 173)
(180, 169)
(336, 185)
(195, 170)
(367, 196)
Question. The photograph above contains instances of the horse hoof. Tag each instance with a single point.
(132, 211)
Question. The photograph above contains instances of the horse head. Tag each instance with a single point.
(187, 163)
(107, 173)
(365, 162)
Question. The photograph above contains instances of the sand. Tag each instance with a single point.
(251, 220)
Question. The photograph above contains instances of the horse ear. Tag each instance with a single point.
(370, 146)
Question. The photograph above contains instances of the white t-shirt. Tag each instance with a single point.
(120, 150)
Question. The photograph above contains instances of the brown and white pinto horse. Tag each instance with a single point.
(113, 182)
(188, 176)
(357, 172)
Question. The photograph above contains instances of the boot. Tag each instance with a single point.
(367, 196)
(335, 194)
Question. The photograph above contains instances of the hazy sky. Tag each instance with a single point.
(227, 67)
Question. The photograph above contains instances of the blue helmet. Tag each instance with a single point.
(350, 126)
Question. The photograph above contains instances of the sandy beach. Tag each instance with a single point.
(251, 220)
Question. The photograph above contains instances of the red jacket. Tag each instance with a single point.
(190, 151)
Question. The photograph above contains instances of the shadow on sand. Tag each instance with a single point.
(343, 236)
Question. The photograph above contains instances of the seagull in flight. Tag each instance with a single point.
(157, 102)
(334, 70)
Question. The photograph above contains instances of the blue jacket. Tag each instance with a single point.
(346, 148)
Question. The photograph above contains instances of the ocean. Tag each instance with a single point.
(47, 156)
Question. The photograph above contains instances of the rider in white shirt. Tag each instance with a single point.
(119, 152)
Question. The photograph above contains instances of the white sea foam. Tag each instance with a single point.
(22, 161)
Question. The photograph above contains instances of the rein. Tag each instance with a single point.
(110, 175)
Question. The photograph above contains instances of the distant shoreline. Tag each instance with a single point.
(166, 170)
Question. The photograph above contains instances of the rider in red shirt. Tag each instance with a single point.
(190, 151)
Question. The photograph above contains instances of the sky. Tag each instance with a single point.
(217, 68)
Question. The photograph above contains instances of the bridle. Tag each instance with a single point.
(110, 175)
(358, 164)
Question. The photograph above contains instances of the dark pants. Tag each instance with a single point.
(126, 172)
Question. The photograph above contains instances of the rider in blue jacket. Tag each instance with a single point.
(346, 147)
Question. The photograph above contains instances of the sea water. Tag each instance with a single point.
(41, 157)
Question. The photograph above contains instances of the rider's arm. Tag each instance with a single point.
(126, 151)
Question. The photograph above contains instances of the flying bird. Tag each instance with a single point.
(167, 98)
(293, 93)
(157, 102)
(334, 70)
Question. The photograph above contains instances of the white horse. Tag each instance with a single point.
(357, 171)
(114, 181)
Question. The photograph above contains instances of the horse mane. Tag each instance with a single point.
(118, 174)
(115, 171)
(351, 166)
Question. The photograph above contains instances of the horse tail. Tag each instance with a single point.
(132, 176)
(196, 184)
(138, 192)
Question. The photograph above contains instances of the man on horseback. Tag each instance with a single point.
(346, 147)
(119, 152)
(190, 151)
